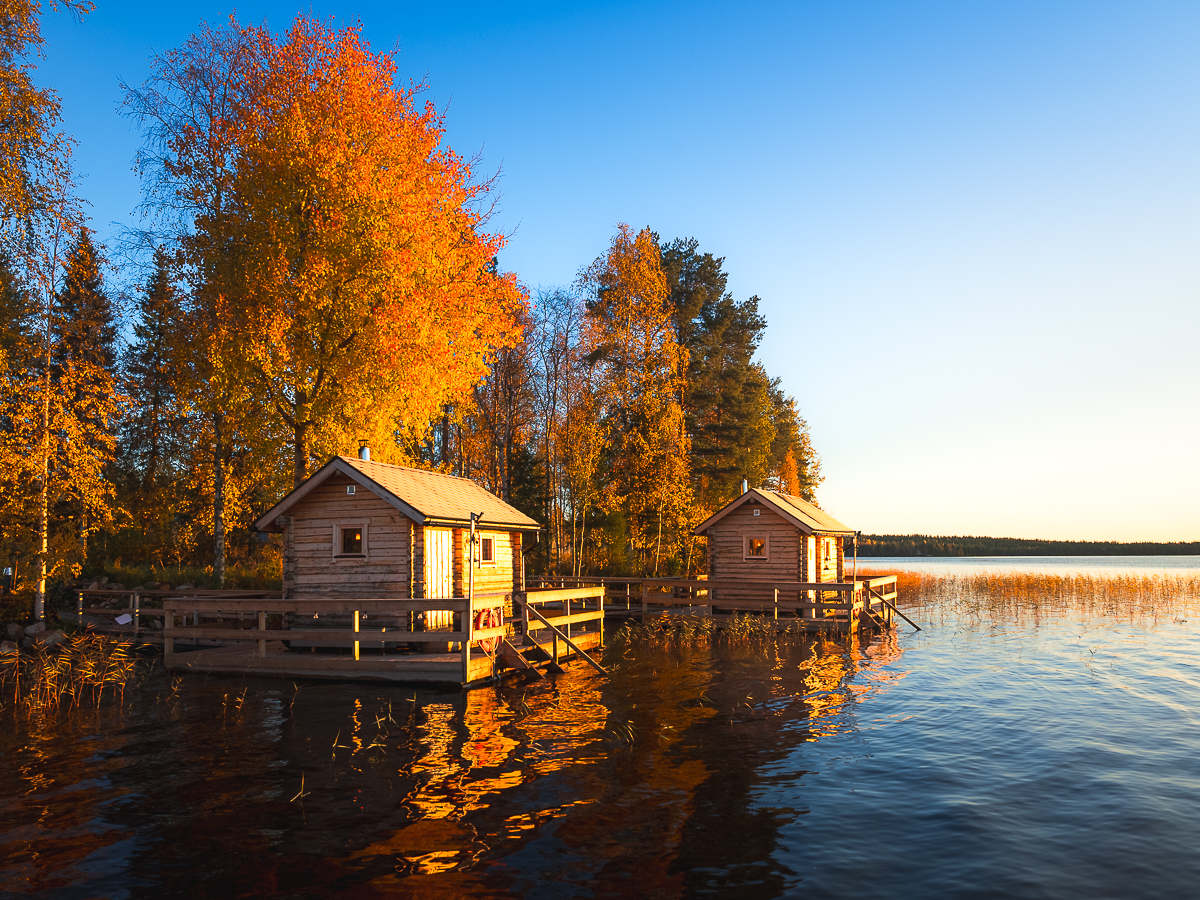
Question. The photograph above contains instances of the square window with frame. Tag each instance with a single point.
(487, 551)
(350, 540)
(756, 546)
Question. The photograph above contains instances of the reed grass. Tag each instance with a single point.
(80, 670)
(1121, 596)
(701, 630)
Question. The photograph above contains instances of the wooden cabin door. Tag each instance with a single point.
(439, 563)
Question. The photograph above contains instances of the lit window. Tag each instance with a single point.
(487, 551)
(352, 541)
(757, 548)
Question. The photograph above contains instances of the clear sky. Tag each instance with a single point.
(974, 227)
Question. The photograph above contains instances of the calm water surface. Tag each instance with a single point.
(1055, 758)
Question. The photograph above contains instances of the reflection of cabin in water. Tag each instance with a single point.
(357, 528)
(770, 536)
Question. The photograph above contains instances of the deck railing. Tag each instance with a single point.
(848, 604)
(578, 606)
(134, 598)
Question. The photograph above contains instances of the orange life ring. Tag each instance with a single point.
(488, 618)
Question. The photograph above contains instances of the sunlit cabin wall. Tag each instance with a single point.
(313, 568)
(727, 549)
(497, 578)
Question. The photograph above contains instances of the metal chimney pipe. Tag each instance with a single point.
(745, 486)
(364, 453)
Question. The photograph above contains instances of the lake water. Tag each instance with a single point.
(979, 758)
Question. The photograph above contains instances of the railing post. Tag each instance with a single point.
(601, 620)
(645, 604)
(262, 642)
(776, 604)
(356, 632)
(469, 628)
(628, 606)
(79, 609)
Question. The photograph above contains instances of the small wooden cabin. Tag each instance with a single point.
(770, 536)
(362, 529)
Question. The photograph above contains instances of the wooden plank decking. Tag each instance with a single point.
(412, 668)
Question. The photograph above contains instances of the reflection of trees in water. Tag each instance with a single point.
(491, 792)
(810, 690)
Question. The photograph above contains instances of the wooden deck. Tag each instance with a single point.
(553, 625)
(862, 604)
(407, 668)
(250, 634)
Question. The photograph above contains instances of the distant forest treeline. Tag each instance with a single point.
(925, 545)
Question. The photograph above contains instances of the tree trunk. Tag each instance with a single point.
(445, 436)
(300, 448)
(39, 600)
(219, 499)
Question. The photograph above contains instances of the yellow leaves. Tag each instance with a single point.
(638, 377)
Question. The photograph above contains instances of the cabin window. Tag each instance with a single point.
(756, 546)
(487, 551)
(350, 540)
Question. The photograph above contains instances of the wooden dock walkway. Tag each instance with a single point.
(254, 633)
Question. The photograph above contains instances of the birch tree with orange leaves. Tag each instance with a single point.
(367, 299)
(638, 370)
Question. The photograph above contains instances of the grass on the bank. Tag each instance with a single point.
(81, 670)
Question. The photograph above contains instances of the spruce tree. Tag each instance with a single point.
(84, 314)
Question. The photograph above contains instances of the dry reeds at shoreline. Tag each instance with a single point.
(700, 630)
(1120, 596)
(78, 671)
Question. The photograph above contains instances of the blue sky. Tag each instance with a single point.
(974, 228)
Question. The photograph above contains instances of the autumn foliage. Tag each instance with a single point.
(364, 298)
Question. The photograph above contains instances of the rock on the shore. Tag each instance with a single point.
(36, 628)
(8, 646)
(14, 631)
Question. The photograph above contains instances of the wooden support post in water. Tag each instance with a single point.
(356, 631)
(777, 604)
(79, 609)
(262, 626)
(600, 607)
(135, 602)
(645, 604)
(168, 642)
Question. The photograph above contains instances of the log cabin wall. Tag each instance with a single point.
(383, 571)
(497, 577)
(726, 549)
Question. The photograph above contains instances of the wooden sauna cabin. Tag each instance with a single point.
(768, 536)
(362, 529)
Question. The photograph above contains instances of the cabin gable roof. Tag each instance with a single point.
(428, 498)
(797, 511)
